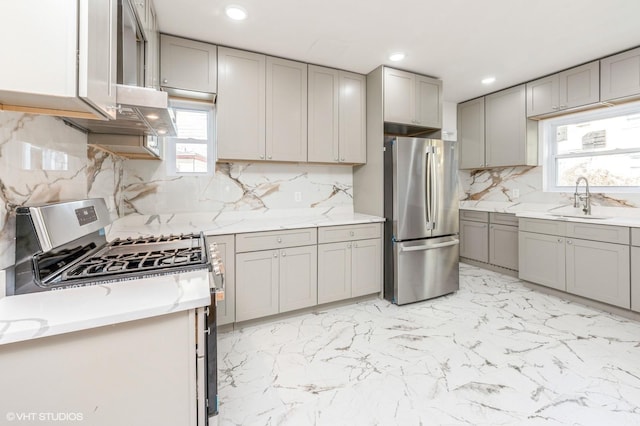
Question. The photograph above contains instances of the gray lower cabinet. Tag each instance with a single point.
(503, 246)
(298, 280)
(596, 266)
(273, 281)
(226, 309)
(635, 279)
(257, 284)
(351, 266)
(599, 271)
(542, 259)
(474, 240)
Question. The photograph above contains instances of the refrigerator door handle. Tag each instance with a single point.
(427, 185)
(434, 188)
(430, 246)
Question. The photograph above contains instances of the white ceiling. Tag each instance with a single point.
(459, 41)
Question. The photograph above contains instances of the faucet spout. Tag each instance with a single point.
(585, 198)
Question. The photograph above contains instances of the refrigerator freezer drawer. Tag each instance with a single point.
(425, 269)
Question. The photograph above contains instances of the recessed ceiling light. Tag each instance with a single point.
(398, 56)
(488, 80)
(237, 13)
(152, 116)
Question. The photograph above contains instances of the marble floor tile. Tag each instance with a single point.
(493, 353)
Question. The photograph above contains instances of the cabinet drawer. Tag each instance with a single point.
(333, 234)
(542, 226)
(635, 237)
(474, 215)
(503, 218)
(255, 241)
(606, 233)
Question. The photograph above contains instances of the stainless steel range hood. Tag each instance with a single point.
(141, 111)
(143, 115)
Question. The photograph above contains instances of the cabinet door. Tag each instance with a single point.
(474, 241)
(152, 52)
(506, 127)
(635, 279)
(471, 133)
(188, 64)
(241, 105)
(257, 285)
(541, 259)
(399, 96)
(97, 54)
(579, 86)
(599, 271)
(620, 75)
(334, 272)
(226, 309)
(428, 102)
(542, 96)
(366, 267)
(503, 246)
(352, 118)
(286, 126)
(298, 278)
(323, 112)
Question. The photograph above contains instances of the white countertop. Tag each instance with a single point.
(617, 216)
(48, 313)
(230, 222)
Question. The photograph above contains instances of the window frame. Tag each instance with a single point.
(170, 142)
(548, 153)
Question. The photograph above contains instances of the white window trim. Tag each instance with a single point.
(548, 154)
(170, 142)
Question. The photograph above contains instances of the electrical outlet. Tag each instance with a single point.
(297, 196)
(515, 193)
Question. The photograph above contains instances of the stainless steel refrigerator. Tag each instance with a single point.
(421, 208)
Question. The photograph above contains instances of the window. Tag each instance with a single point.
(602, 145)
(191, 151)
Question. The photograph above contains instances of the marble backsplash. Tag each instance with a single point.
(498, 185)
(147, 189)
(42, 160)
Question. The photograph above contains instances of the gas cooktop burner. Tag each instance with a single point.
(151, 240)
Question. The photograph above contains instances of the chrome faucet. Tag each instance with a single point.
(586, 197)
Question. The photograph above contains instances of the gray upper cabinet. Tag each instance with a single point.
(620, 76)
(286, 123)
(241, 116)
(188, 65)
(506, 141)
(471, 133)
(412, 99)
(570, 89)
(337, 116)
(494, 131)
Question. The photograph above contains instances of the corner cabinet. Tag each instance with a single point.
(188, 65)
(620, 76)
(494, 131)
(570, 89)
(412, 99)
(70, 67)
(337, 116)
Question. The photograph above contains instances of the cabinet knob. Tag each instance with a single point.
(349, 245)
(559, 240)
(342, 159)
(269, 157)
(569, 242)
(351, 233)
(284, 254)
(275, 254)
(279, 240)
(261, 156)
(563, 106)
(165, 81)
(554, 107)
(355, 245)
(337, 159)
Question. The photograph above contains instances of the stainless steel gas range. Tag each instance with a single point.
(63, 245)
